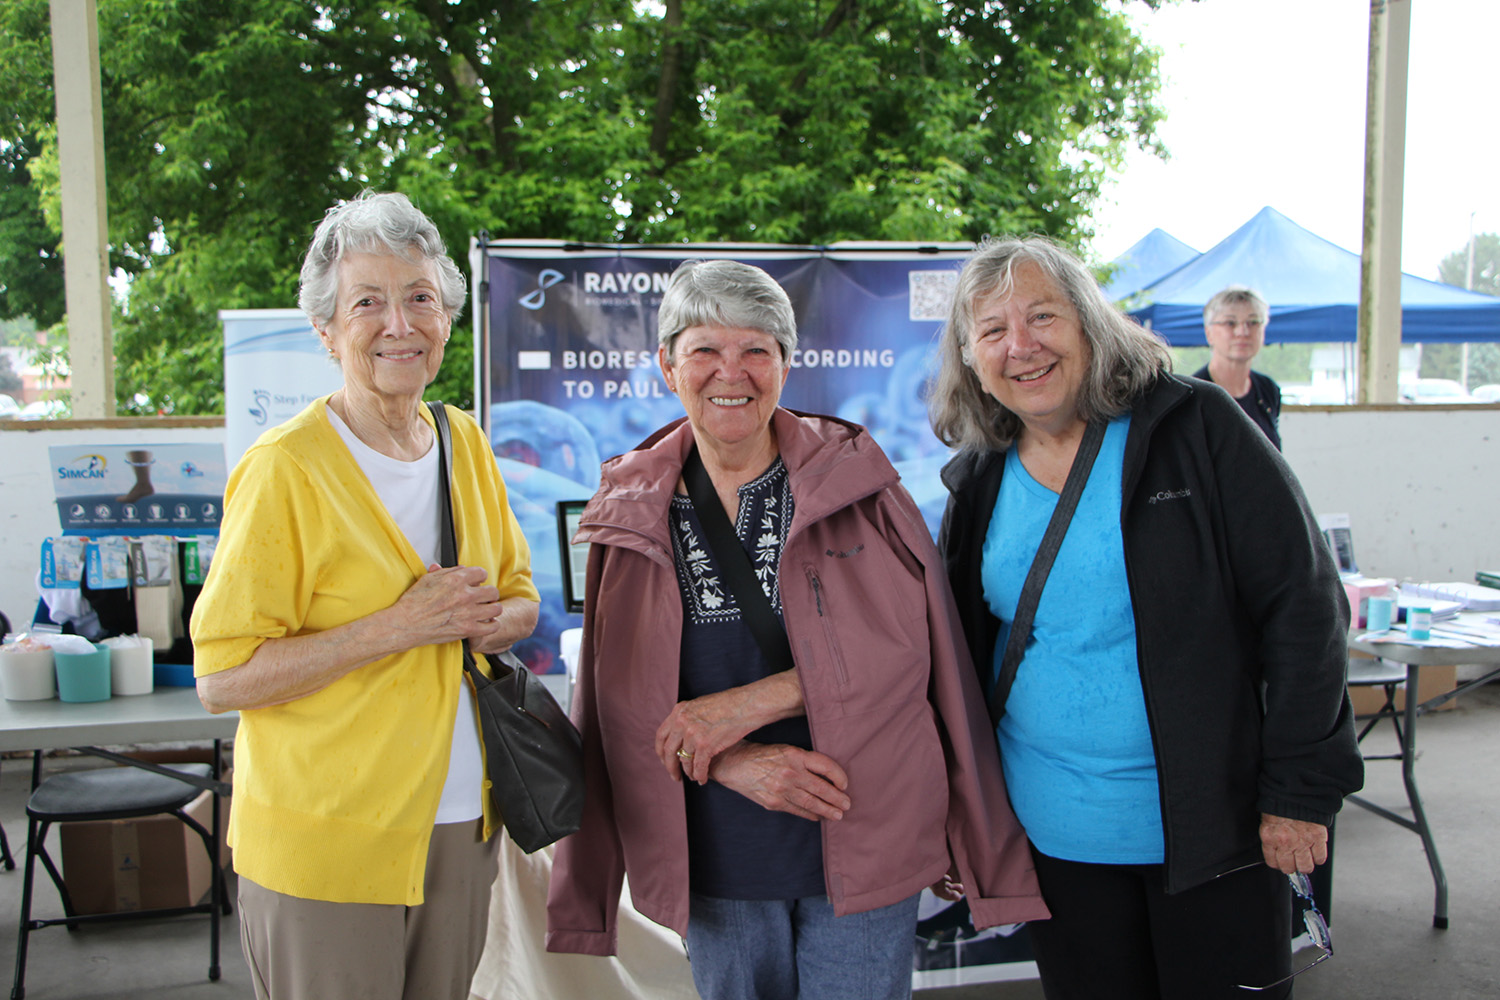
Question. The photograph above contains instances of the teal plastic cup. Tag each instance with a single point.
(82, 676)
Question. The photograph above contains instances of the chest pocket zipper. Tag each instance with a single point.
(820, 600)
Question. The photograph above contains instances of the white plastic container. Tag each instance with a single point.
(130, 665)
(27, 674)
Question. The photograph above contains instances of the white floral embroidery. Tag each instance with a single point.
(696, 572)
(765, 503)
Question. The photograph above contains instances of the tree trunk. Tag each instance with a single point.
(666, 86)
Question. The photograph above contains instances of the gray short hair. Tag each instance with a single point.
(725, 293)
(1233, 295)
(1125, 359)
(374, 222)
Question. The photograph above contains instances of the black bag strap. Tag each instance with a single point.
(1041, 566)
(447, 535)
(739, 575)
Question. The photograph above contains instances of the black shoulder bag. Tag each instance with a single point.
(1041, 566)
(739, 575)
(532, 752)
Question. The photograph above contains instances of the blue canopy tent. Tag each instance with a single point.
(1156, 255)
(1313, 288)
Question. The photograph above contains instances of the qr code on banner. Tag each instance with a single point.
(930, 293)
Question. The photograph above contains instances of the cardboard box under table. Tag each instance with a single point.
(155, 862)
(1434, 681)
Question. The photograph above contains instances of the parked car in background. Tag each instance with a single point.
(1433, 390)
(1302, 394)
(8, 407)
(1296, 394)
(1487, 393)
(44, 409)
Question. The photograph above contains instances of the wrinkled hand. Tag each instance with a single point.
(516, 621)
(784, 778)
(948, 887)
(1292, 845)
(447, 605)
(705, 727)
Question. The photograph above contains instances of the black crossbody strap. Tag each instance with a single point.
(1041, 566)
(447, 535)
(734, 563)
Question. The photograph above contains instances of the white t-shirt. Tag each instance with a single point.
(410, 491)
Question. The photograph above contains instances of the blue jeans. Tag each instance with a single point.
(783, 949)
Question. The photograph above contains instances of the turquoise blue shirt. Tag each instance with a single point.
(1074, 741)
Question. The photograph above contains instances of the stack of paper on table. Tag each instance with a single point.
(1470, 596)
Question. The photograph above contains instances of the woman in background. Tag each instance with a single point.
(1234, 323)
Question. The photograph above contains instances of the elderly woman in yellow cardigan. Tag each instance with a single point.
(362, 833)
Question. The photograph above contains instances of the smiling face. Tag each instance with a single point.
(729, 380)
(388, 326)
(1029, 352)
(1237, 332)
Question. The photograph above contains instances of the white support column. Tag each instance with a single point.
(1385, 172)
(85, 237)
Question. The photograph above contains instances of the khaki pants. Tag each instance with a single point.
(309, 949)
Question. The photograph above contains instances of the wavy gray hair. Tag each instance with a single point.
(374, 222)
(725, 293)
(1125, 359)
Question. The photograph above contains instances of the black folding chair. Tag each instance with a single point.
(112, 793)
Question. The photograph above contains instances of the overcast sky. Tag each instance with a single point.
(1265, 103)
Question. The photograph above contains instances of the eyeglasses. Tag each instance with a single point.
(1317, 929)
(1249, 324)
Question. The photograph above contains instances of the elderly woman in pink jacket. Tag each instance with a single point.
(781, 773)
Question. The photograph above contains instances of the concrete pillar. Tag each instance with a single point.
(1385, 172)
(85, 236)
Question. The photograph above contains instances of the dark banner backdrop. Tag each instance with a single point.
(571, 379)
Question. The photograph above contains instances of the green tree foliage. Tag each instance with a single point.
(1454, 269)
(231, 125)
(10, 381)
(1445, 360)
(31, 280)
(18, 332)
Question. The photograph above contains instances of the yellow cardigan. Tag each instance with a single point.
(335, 793)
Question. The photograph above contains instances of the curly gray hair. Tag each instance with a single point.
(374, 222)
(1125, 359)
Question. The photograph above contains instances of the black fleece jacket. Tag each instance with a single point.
(1241, 623)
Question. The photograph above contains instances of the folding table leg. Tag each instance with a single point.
(18, 988)
(1419, 815)
(1418, 823)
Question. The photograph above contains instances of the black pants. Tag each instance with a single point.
(1115, 934)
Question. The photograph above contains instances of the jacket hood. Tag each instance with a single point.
(831, 463)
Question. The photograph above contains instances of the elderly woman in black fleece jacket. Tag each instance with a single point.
(1178, 737)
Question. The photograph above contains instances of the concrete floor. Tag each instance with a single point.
(1386, 947)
